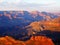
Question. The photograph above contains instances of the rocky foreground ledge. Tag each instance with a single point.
(34, 40)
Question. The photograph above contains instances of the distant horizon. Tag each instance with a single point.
(32, 11)
(30, 5)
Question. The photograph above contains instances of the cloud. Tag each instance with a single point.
(40, 1)
(40, 5)
(10, 1)
(1, 1)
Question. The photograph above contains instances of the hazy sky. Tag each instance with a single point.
(40, 5)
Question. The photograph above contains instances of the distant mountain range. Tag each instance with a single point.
(18, 20)
(14, 18)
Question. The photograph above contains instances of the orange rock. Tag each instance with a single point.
(40, 40)
(35, 40)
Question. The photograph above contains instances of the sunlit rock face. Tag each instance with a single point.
(37, 26)
(34, 40)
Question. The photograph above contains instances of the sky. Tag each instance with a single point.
(30, 5)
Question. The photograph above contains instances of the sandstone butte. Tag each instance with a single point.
(34, 40)
(48, 25)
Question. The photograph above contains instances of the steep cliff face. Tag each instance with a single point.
(37, 26)
(35, 40)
